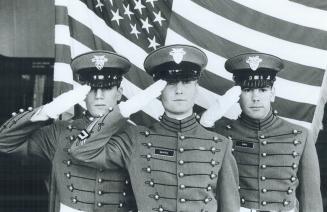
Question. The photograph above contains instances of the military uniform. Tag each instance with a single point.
(74, 186)
(277, 160)
(176, 165)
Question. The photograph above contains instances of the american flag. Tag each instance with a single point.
(293, 31)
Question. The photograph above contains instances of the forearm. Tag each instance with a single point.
(16, 132)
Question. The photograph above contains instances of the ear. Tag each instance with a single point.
(272, 94)
(119, 93)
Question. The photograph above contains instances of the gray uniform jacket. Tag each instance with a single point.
(277, 163)
(73, 183)
(174, 166)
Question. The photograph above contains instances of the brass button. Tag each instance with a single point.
(29, 108)
(213, 149)
(110, 109)
(182, 200)
(161, 209)
(182, 137)
(181, 162)
(148, 156)
(91, 118)
(156, 197)
(100, 180)
(99, 204)
(121, 204)
(68, 175)
(215, 138)
(228, 127)
(181, 174)
(295, 154)
(124, 194)
(263, 166)
(126, 182)
(71, 188)
(263, 178)
(295, 131)
(71, 138)
(209, 188)
(149, 144)
(213, 162)
(296, 142)
(294, 166)
(206, 200)
(262, 137)
(148, 169)
(68, 162)
(147, 133)
(21, 110)
(74, 200)
(181, 150)
(100, 192)
(69, 127)
(293, 179)
(264, 142)
(285, 202)
(14, 114)
(242, 200)
(264, 154)
(212, 175)
(264, 190)
(289, 191)
(264, 203)
(151, 183)
(182, 186)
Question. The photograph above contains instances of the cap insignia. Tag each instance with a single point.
(99, 61)
(177, 54)
(254, 62)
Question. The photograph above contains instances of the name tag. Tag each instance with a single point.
(164, 152)
(244, 144)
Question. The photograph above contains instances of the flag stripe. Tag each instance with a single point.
(294, 92)
(254, 40)
(226, 49)
(318, 4)
(283, 29)
(282, 8)
(63, 52)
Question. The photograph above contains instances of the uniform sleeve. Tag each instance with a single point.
(309, 194)
(227, 190)
(107, 147)
(21, 137)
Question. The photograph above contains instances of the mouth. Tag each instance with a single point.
(256, 107)
(100, 105)
(179, 100)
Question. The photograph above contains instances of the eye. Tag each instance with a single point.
(246, 90)
(263, 90)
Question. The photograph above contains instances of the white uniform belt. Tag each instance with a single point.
(255, 210)
(65, 208)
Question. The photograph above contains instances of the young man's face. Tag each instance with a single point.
(256, 102)
(99, 100)
(178, 98)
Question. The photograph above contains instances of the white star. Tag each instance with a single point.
(127, 11)
(116, 17)
(158, 17)
(138, 6)
(153, 44)
(135, 31)
(151, 1)
(145, 24)
(111, 2)
(99, 4)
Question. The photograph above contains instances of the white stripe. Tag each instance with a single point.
(249, 38)
(290, 12)
(80, 12)
(305, 124)
(65, 208)
(63, 73)
(286, 89)
(62, 34)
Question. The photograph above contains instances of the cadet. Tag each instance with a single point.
(75, 187)
(176, 164)
(277, 160)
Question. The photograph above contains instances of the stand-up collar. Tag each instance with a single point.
(183, 125)
(258, 124)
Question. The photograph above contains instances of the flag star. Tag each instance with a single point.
(152, 2)
(138, 6)
(158, 18)
(145, 24)
(99, 4)
(153, 44)
(127, 11)
(111, 2)
(135, 31)
(116, 17)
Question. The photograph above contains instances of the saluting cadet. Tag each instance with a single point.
(75, 187)
(277, 160)
(176, 165)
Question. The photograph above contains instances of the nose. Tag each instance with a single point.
(255, 95)
(99, 93)
(179, 88)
